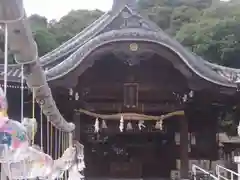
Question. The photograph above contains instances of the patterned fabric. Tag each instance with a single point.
(5, 138)
(13, 141)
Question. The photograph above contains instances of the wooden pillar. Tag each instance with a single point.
(76, 121)
(184, 148)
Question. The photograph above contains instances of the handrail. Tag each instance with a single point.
(219, 176)
(195, 168)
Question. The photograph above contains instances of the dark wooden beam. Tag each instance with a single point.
(150, 98)
(116, 93)
(143, 87)
(117, 107)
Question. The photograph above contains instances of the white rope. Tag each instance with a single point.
(22, 94)
(5, 59)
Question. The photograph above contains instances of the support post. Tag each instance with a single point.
(76, 120)
(184, 169)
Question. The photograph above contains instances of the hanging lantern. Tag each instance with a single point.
(159, 125)
(104, 124)
(129, 126)
(141, 125)
(96, 126)
(121, 126)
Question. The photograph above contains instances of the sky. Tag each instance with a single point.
(55, 9)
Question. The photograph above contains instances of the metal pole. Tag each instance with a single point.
(5, 59)
(22, 93)
(3, 175)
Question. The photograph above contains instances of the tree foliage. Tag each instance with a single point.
(50, 35)
(210, 28)
(215, 34)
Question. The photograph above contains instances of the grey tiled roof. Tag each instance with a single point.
(77, 47)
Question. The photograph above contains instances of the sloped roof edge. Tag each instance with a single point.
(199, 67)
(72, 42)
(214, 73)
(69, 46)
(89, 32)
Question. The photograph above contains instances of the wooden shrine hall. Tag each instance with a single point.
(144, 106)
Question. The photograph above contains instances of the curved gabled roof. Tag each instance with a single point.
(199, 67)
(124, 24)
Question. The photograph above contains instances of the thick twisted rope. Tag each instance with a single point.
(131, 116)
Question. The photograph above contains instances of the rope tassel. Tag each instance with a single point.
(96, 126)
(141, 125)
(159, 125)
(121, 125)
(238, 129)
(104, 124)
(129, 126)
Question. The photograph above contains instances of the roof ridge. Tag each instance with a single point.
(119, 3)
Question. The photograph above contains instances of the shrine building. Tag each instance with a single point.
(156, 104)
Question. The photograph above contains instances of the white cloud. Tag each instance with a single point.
(55, 9)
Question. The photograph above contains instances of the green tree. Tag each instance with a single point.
(182, 15)
(73, 23)
(170, 15)
(215, 36)
(38, 22)
(49, 35)
(45, 40)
